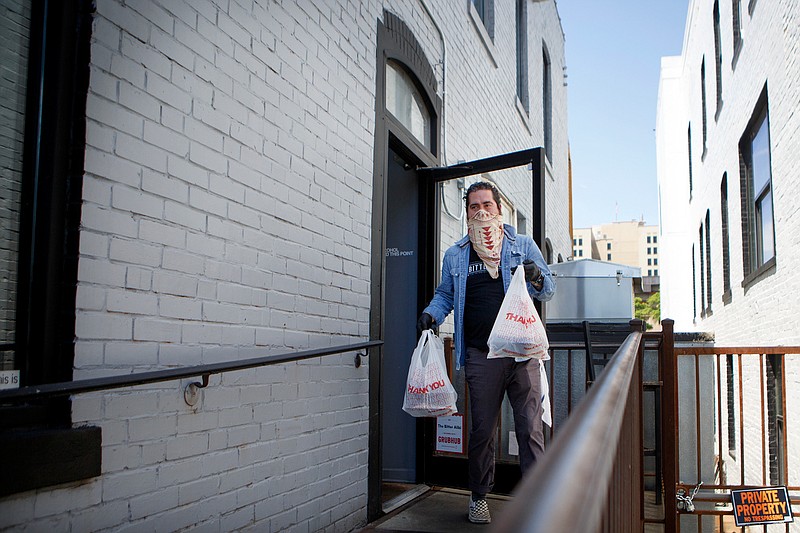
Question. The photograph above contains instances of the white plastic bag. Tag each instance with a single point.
(547, 412)
(518, 331)
(428, 389)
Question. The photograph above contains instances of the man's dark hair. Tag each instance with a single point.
(482, 186)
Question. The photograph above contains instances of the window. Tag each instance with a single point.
(649, 250)
(731, 402)
(13, 85)
(718, 57)
(649, 239)
(726, 261)
(485, 9)
(775, 420)
(708, 261)
(37, 308)
(547, 105)
(575, 242)
(405, 102)
(649, 272)
(580, 241)
(608, 246)
(700, 250)
(694, 283)
(580, 253)
(42, 133)
(758, 233)
(522, 54)
(703, 104)
(649, 262)
(736, 21)
(609, 257)
(655, 250)
(655, 272)
(655, 238)
(655, 261)
(689, 137)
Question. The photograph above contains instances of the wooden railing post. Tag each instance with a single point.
(669, 422)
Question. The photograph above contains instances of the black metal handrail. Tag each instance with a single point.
(115, 382)
(566, 491)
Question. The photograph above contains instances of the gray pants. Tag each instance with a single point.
(488, 380)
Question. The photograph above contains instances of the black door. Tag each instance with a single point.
(398, 429)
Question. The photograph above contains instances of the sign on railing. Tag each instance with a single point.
(769, 505)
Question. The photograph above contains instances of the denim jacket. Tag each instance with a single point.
(450, 294)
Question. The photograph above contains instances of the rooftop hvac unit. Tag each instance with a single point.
(597, 291)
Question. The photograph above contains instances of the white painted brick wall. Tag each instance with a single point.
(764, 313)
(227, 214)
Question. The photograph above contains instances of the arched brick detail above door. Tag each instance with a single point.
(403, 46)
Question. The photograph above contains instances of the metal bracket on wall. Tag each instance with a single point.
(359, 355)
(191, 394)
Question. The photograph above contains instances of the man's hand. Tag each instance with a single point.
(424, 322)
(532, 272)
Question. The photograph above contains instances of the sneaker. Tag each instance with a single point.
(479, 512)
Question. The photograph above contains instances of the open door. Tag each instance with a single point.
(444, 467)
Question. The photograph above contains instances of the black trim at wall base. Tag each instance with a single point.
(36, 458)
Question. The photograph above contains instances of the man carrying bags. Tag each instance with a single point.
(476, 273)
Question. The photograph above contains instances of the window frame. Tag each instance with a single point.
(689, 159)
(709, 292)
(547, 103)
(53, 160)
(736, 29)
(52, 170)
(717, 58)
(704, 108)
(694, 284)
(731, 405)
(776, 430)
(754, 262)
(727, 295)
(416, 89)
(701, 249)
(485, 12)
(521, 20)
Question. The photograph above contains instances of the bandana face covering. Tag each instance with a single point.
(486, 235)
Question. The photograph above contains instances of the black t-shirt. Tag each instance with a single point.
(482, 303)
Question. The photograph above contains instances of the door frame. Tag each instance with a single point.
(395, 41)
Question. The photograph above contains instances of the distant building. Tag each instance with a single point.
(631, 243)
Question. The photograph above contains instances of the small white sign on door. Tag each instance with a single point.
(450, 434)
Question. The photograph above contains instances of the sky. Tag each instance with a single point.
(613, 57)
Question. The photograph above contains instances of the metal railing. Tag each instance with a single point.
(67, 388)
(591, 477)
(730, 417)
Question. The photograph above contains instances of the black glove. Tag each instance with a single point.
(424, 322)
(532, 272)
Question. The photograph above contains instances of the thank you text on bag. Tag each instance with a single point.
(428, 389)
